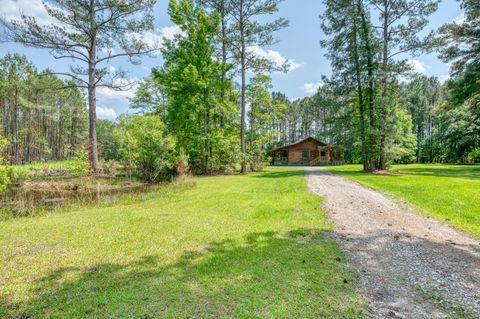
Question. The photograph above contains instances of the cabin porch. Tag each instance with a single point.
(323, 156)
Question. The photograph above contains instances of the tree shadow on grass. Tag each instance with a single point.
(298, 274)
(460, 171)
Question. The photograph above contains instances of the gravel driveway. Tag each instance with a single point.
(410, 266)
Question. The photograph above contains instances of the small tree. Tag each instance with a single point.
(90, 33)
(263, 113)
(145, 147)
(191, 79)
(247, 33)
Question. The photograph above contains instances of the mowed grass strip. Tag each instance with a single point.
(450, 193)
(254, 246)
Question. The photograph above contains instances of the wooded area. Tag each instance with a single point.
(213, 118)
(42, 117)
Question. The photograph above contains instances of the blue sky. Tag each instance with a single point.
(298, 43)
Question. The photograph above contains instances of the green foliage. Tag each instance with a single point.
(150, 98)
(367, 64)
(200, 110)
(263, 113)
(353, 49)
(107, 142)
(77, 166)
(5, 170)
(474, 156)
(422, 98)
(461, 40)
(248, 29)
(42, 120)
(144, 146)
(402, 144)
(86, 33)
(459, 115)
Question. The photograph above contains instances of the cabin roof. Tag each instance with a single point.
(300, 142)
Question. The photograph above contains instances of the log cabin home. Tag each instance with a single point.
(307, 152)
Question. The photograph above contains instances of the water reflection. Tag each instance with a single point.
(51, 196)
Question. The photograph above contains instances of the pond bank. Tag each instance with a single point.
(43, 196)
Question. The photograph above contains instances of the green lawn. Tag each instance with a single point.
(450, 193)
(253, 246)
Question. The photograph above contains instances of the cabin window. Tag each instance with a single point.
(305, 154)
(323, 153)
(313, 154)
(281, 155)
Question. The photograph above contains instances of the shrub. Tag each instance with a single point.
(144, 147)
(474, 156)
(5, 170)
(79, 164)
(5, 177)
(107, 142)
(110, 168)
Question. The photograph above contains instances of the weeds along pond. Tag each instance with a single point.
(43, 196)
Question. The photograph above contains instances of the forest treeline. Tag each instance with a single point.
(211, 105)
(42, 117)
(369, 44)
(431, 122)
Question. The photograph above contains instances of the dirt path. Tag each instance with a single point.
(410, 266)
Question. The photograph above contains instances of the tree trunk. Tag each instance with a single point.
(92, 100)
(383, 113)
(370, 90)
(363, 132)
(224, 63)
(243, 90)
(15, 128)
(205, 132)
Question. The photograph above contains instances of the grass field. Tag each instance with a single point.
(253, 246)
(450, 193)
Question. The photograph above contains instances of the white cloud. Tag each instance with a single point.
(312, 88)
(275, 57)
(443, 78)
(460, 19)
(12, 10)
(170, 32)
(418, 66)
(155, 38)
(128, 89)
(106, 113)
(106, 93)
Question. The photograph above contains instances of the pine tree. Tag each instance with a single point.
(86, 32)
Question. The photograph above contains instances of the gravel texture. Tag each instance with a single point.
(410, 266)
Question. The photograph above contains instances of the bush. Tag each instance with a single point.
(79, 164)
(110, 168)
(5, 177)
(5, 170)
(107, 143)
(474, 156)
(144, 147)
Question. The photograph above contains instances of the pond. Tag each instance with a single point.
(33, 198)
